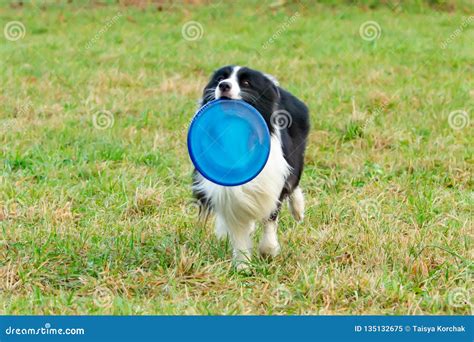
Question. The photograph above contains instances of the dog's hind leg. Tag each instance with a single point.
(296, 204)
(269, 246)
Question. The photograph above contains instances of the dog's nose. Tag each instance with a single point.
(224, 86)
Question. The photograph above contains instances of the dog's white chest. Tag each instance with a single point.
(256, 199)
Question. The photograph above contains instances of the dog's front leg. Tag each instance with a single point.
(241, 238)
(221, 229)
(269, 246)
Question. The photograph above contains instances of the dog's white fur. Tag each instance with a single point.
(237, 208)
(296, 204)
(234, 92)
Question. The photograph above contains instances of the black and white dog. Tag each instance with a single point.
(237, 208)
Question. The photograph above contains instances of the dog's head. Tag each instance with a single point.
(241, 83)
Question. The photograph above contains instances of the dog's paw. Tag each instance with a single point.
(242, 267)
(269, 250)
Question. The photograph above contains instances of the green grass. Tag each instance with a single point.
(101, 221)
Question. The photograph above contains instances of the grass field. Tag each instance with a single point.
(96, 215)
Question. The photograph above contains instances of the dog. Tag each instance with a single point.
(238, 208)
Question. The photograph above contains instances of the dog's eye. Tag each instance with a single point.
(245, 83)
(220, 78)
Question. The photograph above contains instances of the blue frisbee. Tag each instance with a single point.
(228, 142)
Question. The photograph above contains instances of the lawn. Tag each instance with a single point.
(96, 214)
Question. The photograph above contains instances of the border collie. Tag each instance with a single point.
(237, 208)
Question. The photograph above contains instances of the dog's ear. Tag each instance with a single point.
(275, 82)
(273, 79)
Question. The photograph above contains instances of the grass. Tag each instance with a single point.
(100, 221)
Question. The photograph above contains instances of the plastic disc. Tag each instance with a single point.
(228, 142)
